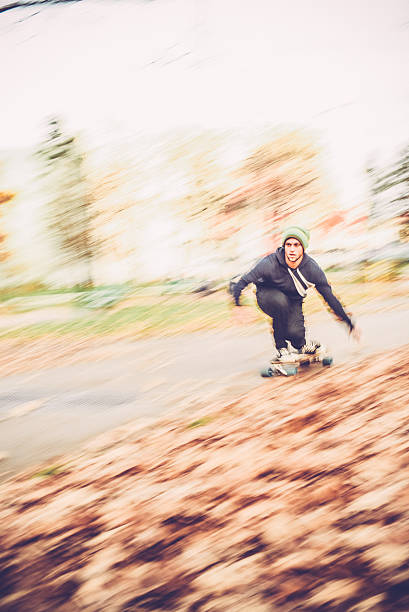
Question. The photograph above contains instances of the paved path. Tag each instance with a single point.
(52, 411)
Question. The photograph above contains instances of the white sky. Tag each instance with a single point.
(339, 66)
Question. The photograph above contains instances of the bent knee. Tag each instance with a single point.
(272, 301)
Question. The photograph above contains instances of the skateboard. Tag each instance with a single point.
(301, 360)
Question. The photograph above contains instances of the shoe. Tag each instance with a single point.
(284, 356)
(310, 347)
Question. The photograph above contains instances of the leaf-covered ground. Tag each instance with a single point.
(292, 497)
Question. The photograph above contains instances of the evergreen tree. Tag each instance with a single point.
(69, 207)
(390, 190)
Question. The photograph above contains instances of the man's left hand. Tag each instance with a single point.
(356, 333)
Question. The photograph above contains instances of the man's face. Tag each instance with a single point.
(293, 250)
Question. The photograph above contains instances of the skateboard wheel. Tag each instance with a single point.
(267, 372)
(327, 361)
(291, 370)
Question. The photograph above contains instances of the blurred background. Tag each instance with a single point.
(151, 150)
(154, 148)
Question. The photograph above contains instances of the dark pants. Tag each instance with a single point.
(287, 315)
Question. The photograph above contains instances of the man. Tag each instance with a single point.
(282, 280)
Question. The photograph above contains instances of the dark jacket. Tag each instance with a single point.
(272, 271)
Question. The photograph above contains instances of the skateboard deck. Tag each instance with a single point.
(290, 368)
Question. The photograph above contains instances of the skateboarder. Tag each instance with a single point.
(282, 280)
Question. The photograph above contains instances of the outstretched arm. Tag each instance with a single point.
(334, 304)
(324, 288)
(252, 276)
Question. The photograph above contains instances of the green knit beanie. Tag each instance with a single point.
(300, 233)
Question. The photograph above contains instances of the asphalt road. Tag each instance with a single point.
(52, 411)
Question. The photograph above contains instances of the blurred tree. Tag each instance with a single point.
(5, 197)
(194, 162)
(371, 172)
(390, 191)
(112, 190)
(280, 176)
(204, 180)
(69, 206)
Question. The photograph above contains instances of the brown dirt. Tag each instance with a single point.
(292, 497)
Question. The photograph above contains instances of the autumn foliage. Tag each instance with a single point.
(291, 497)
(5, 197)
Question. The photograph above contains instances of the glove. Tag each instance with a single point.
(232, 285)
